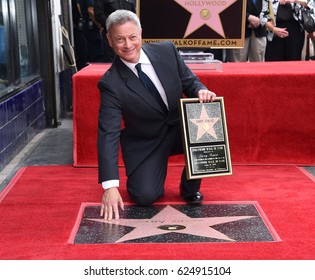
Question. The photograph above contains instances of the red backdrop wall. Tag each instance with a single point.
(269, 106)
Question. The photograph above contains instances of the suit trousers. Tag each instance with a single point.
(145, 184)
(254, 50)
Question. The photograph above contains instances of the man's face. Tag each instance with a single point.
(126, 41)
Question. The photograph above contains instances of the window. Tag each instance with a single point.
(18, 33)
(3, 50)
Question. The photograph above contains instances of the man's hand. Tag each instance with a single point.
(253, 21)
(205, 95)
(111, 201)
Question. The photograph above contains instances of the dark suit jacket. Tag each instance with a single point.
(145, 123)
(254, 9)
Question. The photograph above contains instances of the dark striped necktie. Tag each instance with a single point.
(150, 87)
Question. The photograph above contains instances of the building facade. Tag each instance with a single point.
(35, 76)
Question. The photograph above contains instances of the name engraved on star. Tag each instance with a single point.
(205, 138)
(209, 121)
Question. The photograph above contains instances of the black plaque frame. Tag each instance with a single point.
(205, 138)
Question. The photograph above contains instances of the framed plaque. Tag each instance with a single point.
(205, 138)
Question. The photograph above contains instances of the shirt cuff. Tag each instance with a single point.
(110, 184)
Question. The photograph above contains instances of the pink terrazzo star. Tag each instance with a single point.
(205, 13)
(171, 220)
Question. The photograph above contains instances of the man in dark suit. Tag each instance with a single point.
(151, 133)
(255, 36)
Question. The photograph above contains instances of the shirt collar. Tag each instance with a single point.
(143, 60)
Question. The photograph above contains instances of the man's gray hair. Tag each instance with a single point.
(121, 17)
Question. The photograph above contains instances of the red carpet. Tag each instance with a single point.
(40, 206)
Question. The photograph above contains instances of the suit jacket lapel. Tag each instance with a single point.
(134, 83)
(159, 65)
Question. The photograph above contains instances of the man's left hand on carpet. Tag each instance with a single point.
(111, 202)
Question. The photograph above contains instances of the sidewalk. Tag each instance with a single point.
(52, 146)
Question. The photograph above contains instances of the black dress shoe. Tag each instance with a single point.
(192, 198)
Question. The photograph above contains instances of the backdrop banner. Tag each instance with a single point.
(194, 24)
